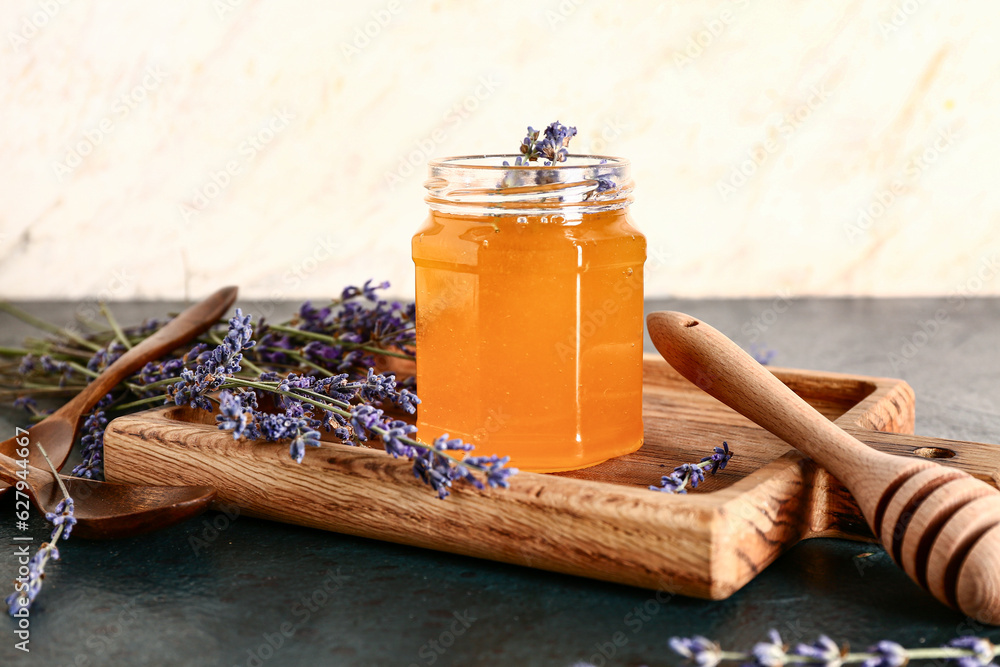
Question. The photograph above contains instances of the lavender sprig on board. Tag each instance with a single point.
(349, 334)
(692, 474)
(961, 652)
(353, 410)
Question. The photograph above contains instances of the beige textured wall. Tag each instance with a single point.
(779, 147)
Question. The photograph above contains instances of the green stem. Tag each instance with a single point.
(929, 653)
(272, 388)
(28, 318)
(82, 369)
(302, 360)
(119, 334)
(341, 343)
(68, 352)
(51, 387)
(142, 401)
(14, 351)
(55, 473)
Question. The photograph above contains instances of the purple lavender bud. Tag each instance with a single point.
(93, 441)
(233, 415)
(980, 646)
(27, 403)
(27, 364)
(444, 444)
(888, 654)
(604, 184)
(823, 650)
(719, 458)
(63, 516)
(769, 654)
(699, 650)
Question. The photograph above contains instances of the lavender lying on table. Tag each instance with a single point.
(961, 652)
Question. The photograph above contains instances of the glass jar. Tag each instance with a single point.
(529, 310)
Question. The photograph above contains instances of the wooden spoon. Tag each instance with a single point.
(105, 510)
(941, 523)
(58, 431)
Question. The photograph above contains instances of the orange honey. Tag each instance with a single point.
(529, 318)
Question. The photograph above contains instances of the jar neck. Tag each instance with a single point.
(484, 185)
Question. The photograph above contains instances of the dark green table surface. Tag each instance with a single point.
(157, 600)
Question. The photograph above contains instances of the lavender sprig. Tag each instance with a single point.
(347, 335)
(552, 149)
(92, 443)
(305, 403)
(692, 474)
(961, 652)
(762, 354)
(26, 588)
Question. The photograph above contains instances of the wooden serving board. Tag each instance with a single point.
(602, 522)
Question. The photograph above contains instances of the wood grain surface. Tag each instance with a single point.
(912, 504)
(602, 522)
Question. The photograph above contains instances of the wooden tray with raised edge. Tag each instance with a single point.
(602, 522)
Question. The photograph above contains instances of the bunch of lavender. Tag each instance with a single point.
(343, 336)
(347, 335)
(961, 652)
(352, 410)
(26, 588)
(694, 473)
(551, 149)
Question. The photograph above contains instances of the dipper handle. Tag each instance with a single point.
(941, 525)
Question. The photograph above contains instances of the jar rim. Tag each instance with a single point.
(482, 183)
(573, 161)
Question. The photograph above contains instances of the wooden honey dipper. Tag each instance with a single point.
(941, 525)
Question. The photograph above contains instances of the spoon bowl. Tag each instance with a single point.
(106, 510)
(57, 432)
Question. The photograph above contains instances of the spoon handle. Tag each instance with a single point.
(941, 525)
(182, 329)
